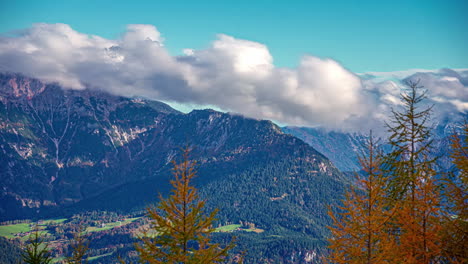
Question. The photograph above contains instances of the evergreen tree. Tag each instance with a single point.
(36, 251)
(411, 184)
(358, 232)
(180, 227)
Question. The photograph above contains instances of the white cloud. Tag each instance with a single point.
(446, 83)
(231, 74)
(447, 89)
(136, 33)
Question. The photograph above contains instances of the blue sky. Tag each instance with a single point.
(361, 35)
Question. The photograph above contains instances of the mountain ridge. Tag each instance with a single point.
(79, 150)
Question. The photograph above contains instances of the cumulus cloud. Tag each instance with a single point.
(447, 89)
(232, 74)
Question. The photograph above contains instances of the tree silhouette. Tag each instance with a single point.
(180, 227)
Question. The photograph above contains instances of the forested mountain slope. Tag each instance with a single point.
(66, 151)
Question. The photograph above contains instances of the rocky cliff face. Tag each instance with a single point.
(17, 86)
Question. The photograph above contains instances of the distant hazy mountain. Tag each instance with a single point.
(343, 148)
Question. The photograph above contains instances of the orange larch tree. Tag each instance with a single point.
(419, 223)
(412, 185)
(180, 226)
(456, 221)
(358, 231)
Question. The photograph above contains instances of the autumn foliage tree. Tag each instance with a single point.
(358, 232)
(410, 142)
(412, 185)
(180, 226)
(396, 218)
(455, 232)
(419, 223)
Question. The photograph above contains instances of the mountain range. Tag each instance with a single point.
(70, 151)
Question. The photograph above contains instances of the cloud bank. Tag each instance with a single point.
(232, 74)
